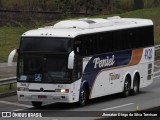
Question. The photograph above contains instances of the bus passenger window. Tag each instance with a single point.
(77, 71)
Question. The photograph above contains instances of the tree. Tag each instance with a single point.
(138, 4)
(156, 3)
(0, 4)
(106, 5)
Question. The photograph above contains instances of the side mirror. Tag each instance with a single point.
(71, 60)
(11, 56)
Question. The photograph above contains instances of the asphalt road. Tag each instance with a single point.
(7, 71)
(148, 97)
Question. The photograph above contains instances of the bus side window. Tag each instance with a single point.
(111, 41)
(103, 42)
(79, 68)
(98, 43)
(78, 46)
(90, 45)
(77, 71)
(84, 46)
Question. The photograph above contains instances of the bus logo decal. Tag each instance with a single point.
(100, 63)
(41, 90)
(114, 76)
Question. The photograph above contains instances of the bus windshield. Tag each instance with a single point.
(44, 59)
(43, 68)
(45, 44)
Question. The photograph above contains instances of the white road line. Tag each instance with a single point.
(18, 110)
(156, 72)
(156, 76)
(15, 104)
(118, 106)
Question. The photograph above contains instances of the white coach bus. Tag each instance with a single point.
(77, 60)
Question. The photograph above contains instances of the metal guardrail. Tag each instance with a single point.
(157, 47)
(9, 81)
(157, 52)
(157, 59)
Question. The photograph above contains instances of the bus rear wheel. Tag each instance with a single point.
(82, 97)
(126, 90)
(36, 104)
(135, 89)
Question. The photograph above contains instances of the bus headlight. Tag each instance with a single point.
(62, 90)
(22, 89)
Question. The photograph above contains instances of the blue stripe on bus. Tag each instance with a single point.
(105, 61)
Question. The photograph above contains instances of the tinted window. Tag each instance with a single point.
(45, 44)
(116, 40)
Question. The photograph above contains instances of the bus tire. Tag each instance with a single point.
(135, 89)
(82, 97)
(126, 90)
(36, 104)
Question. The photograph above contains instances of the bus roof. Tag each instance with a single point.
(73, 28)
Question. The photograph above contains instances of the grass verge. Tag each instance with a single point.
(6, 88)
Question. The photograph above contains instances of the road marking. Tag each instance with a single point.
(156, 72)
(18, 110)
(156, 76)
(118, 106)
(137, 108)
(15, 104)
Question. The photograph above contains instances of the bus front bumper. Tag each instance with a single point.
(45, 96)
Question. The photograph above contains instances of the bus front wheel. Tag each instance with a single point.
(36, 104)
(82, 97)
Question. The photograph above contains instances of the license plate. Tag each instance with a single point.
(42, 97)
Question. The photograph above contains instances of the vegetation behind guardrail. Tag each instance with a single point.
(8, 86)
